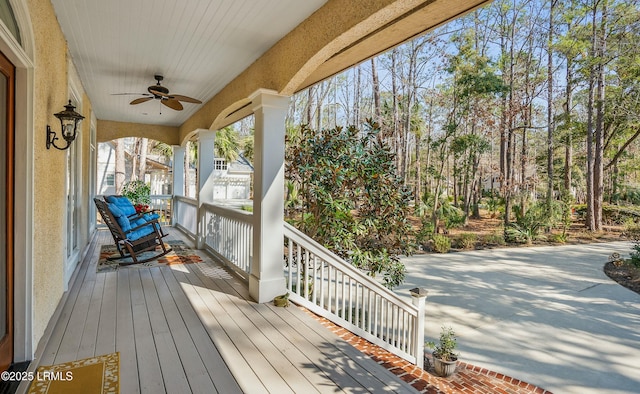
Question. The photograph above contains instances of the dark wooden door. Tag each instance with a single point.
(7, 76)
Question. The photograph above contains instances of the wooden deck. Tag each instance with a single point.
(192, 329)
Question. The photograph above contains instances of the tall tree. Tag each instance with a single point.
(550, 118)
(120, 165)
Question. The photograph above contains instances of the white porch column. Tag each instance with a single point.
(206, 145)
(267, 273)
(177, 169)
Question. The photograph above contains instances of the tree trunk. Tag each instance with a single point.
(590, 222)
(376, 91)
(568, 150)
(550, 122)
(357, 97)
(143, 159)
(309, 111)
(394, 97)
(120, 165)
(598, 160)
(135, 159)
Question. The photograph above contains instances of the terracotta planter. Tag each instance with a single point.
(444, 368)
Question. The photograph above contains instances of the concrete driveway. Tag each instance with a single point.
(545, 315)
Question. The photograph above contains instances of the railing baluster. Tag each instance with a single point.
(329, 282)
(289, 262)
(299, 270)
(322, 284)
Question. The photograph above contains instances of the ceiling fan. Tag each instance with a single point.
(159, 92)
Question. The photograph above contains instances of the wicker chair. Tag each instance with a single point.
(132, 235)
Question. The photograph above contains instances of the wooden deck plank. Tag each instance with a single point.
(70, 344)
(195, 371)
(106, 341)
(149, 372)
(325, 366)
(192, 328)
(369, 373)
(221, 377)
(125, 340)
(330, 374)
(90, 332)
(57, 334)
(348, 376)
(292, 365)
(229, 340)
(173, 374)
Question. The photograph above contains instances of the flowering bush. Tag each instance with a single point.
(137, 192)
(141, 208)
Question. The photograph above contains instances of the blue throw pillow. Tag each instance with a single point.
(121, 218)
(123, 203)
(117, 212)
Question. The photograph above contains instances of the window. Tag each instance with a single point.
(220, 164)
(111, 180)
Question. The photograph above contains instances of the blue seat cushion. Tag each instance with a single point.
(151, 216)
(121, 218)
(139, 233)
(123, 203)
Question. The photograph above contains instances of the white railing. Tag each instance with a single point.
(228, 235)
(317, 279)
(162, 204)
(185, 215)
(327, 285)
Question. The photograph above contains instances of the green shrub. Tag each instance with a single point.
(425, 233)
(559, 238)
(635, 255)
(495, 239)
(467, 240)
(494, 205)
(528, 226)
(441, 243)
(345, 193)
(613, 214)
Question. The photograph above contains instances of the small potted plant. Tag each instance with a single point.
(444, 357)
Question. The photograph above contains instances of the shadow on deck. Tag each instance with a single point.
(191, 328)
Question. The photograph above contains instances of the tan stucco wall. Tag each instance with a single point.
(109, 130)
(49, 167)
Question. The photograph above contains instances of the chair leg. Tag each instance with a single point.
(136, 260)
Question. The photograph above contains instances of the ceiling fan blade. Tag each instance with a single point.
(186, 99)
(130, 94)
(173, 104)
(141, 100)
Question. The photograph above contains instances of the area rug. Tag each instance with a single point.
(95, 375)
(181, 254)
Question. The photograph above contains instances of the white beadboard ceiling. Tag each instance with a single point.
(197, 45)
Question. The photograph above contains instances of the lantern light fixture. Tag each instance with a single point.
(69, 120)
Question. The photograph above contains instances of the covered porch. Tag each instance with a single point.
(204, 325)
(193, 328)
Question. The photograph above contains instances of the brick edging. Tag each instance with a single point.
(468, 378)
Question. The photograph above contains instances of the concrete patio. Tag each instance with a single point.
(546, 315)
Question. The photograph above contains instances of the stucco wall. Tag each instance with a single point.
(49, 167)
(109, 130)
